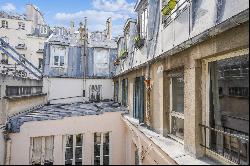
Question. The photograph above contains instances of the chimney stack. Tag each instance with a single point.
(109, 28)
(72, 27)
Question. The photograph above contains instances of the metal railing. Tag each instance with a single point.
(226, 142)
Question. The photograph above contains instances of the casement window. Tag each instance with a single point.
(73, 149)
(102, 148)
(116, 91)
(40, 63)
(41, 150)
(5, 24)
(177, 105)
(58, 61)
(226, 131)
(138, 101)
(21, 25)
(143, 17)
(179, 7)
(43, 30)
(125, 92)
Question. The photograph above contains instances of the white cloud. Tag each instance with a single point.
(96, 19)
(8, 7)
(113, 5)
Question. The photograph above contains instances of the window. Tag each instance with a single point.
(125, 92)
(144, 22)
(228, 113)
(4, 59)
(179, 6)
(58, 61)
(137, 160)
(5, 24)
(42, 150)
(101, 149)
(177, 105)
(116, 91)
(40, 63)
(95, 93)
(43, 30)
(138, 103)
(73, 149)
(21, 25)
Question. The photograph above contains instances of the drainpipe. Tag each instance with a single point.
(148, 90)
(8, 143)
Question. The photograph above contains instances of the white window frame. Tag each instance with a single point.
(21, 25)
(5, 24)
(143, 17)
(43, 30)
(59, 59)
(174, 113)
(43, 149)
(101, 148)
(74, 147)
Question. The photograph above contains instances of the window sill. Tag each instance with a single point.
(171, 147)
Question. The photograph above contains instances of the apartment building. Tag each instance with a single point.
(179, 80)
(185, 81)
(26, 33)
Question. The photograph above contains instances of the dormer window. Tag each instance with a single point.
(5, 24)
(143, 20)
(43, 30)
(21, 25)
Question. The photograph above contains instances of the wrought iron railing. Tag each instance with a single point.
(231, 144)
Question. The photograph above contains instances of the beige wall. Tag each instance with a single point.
(87, 125)
(190, 61)
(2, 145)
(57, 88)
(16, 36)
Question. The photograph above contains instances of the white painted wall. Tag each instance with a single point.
(87, 125)
(70, 88)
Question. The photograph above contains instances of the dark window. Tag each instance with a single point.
(125, 92)
(138, 104)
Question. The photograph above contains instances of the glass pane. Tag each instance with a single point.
(97, 150)
(105, 149)
(69, 141)
(78, 162)
(56, 60)
(229, 105)
(79, 140)
(106, 138)
(178, 127)
(78, 153)
(97, 161)
(61, 60)
(178, 94)
(68, 153)
(97, 138)
(68, 162)
(106, 160)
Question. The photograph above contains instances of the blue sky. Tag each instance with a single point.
(61, 12)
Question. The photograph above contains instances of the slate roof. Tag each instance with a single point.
(60, 111)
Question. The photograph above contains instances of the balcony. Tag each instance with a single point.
(230, 144)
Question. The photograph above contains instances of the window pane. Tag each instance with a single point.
(97, 161)
(178, 94)
(229, 105)
(49, 146)
(78, 162)
(106, 138)
(78, 153)
(56, 60)
(97, 138)
(97, 150)
(178, 127)
(62, 61)
(105, 149)
(69, 141)
(79, 140)
(37, 151)
(69, 153)
(68, 162)
(106, 160)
